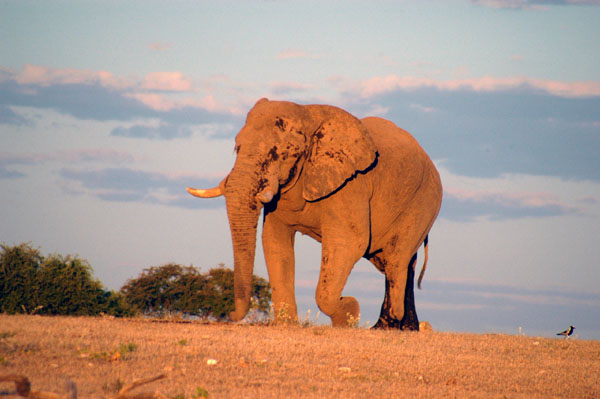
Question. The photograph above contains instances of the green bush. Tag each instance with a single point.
(18, 270)
(66, 286)
(61, 285)
(30, 283)
(162, 289)
(173, 288)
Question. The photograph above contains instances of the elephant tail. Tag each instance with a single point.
(425, 243)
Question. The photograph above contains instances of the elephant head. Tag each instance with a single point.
(279, 142)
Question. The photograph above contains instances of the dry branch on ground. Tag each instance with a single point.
(23, 388)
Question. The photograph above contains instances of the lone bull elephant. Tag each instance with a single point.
(363, 188)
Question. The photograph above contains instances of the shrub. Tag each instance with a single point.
(18, 269)
(53, 285)
(66, 286)
(173, 288)
(164, 289)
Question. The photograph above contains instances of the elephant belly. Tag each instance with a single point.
(313, 233)
(390, 237)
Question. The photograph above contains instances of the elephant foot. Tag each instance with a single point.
(241, 309)
(347, 314)
(394, 324)
(409, 322)
(385, 323)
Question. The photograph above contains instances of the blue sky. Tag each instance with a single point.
(108, 110)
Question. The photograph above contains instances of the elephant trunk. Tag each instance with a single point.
(243, 210)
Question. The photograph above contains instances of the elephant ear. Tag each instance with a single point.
(340, 148)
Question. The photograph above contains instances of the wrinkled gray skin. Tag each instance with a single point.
(363, 188)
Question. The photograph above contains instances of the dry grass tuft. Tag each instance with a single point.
(424, 326)
(232, 360)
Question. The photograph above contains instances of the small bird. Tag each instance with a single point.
(567, 332)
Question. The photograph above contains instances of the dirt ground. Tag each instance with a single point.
(101, 355)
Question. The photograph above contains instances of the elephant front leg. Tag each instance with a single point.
(336, 264)
(278, 245)
(409, 320)
(345, 229)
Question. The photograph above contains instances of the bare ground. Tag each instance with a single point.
(100, 355)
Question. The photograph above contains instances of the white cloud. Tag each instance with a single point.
(530, 189)
(296, 53)
(538, 298)
(379, 85)
(164, 102)
(166, 81)
(155, 101)
(532, 4)
(514, 196)
(511, 199)
(44, 76)
(444, 306)
(160, 46)
(422, 108)
(101, 95)
(378, 110)
(68, 156)
(281, 88)
(514, 4)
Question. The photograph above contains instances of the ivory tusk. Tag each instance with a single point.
(208, 193)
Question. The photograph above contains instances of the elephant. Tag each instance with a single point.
(362, 188)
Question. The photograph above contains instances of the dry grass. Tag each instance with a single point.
(102, 355)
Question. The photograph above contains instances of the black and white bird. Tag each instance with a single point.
(567, 332)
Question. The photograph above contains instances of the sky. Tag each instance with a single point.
(108, 110)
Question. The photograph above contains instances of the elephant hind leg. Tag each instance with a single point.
(410, 321)
(392, 316)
